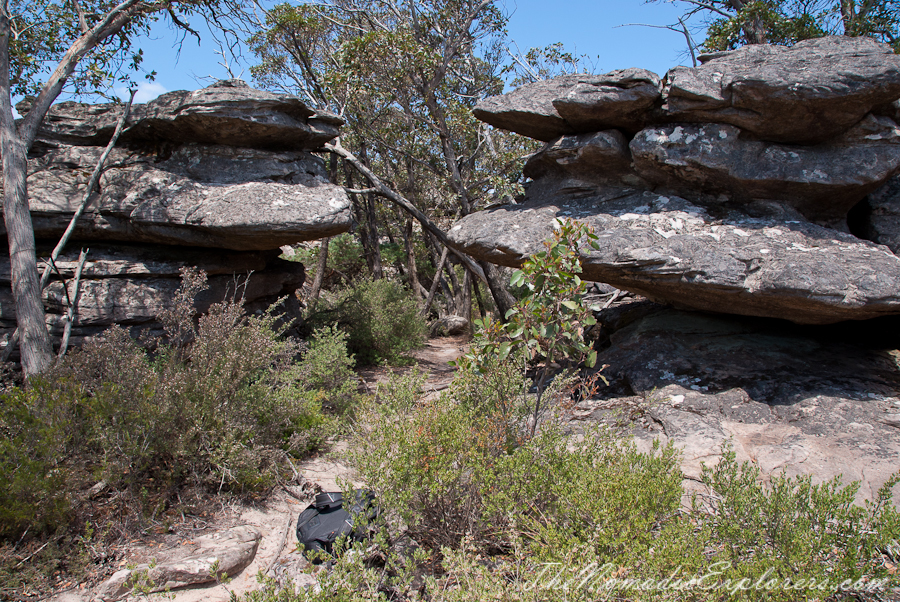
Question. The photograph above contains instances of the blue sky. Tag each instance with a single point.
(595, 28)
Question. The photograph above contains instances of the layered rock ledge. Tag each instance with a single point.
(729, 189)
(217, 179)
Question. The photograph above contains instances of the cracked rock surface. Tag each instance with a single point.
(760, 183)
(790, 399)
(217, 179)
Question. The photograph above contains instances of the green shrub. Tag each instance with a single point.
(34, 441)
(547, 325)
(380, 317)
(218, 406)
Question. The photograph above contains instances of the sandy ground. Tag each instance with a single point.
(276, 516)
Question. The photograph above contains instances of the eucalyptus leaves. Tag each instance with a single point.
(547, 326)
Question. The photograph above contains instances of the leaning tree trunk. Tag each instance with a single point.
(321, 266)
(413, 273)
(35, 340)
(503, 300)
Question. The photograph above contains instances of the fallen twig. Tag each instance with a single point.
(284, 535)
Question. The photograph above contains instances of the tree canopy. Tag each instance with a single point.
(733, 23)
(405, 76)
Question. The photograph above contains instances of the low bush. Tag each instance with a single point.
(217, 407)
(500, 509)
(585, 518)
(380, 317)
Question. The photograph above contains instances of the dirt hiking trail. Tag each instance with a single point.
(273, 518)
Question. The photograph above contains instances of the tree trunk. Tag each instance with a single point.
(321, 266)
(411, 259)
(34, 339)
(502, 298)
(464, 301)
(372, 225)
(434, 283)
(476, 291)
(389, 194)
(361, 214)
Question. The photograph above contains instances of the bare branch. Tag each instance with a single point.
(82, 22)
(389, 194)
(73, 305)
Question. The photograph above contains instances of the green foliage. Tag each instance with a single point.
(380, 317)
(47, 28)
(547, 324)
(33, 441)
(548, 62)
(502, 513)
(405, 76)
(218, 406)
(785, 22)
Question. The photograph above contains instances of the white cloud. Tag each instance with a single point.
(146, 91)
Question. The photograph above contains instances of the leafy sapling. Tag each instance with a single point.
(549, 323)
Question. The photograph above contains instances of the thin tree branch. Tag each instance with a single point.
(73, 305)
(435, 282)
(92, 183)
(82, 22)
(389, 194)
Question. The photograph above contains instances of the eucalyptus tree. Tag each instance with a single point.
(51, 46)
(733, 23)
(405, 76)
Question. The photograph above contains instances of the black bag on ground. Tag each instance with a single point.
(330, 517)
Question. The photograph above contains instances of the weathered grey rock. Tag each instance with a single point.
(570, 104)
(619, 99)
(210, 196)
(449, 326)
(878, 217)
(215, 557)
(131, 285)
(792, 400)
(600, 156)
(823, 181)
(807, 93)
(228, 112)
(664, 247)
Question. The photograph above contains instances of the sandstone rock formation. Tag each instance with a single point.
(735, 195)
(218, 179)
(789, 399)
(878, 217)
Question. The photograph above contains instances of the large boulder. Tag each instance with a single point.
(791, 400)
(228, 112)
(217, 557)
(599, 156)
(773, 263)
(217, 179)
(569, 104)
(807, 93)
(823, 181)
(198, 195)
(739, 194)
